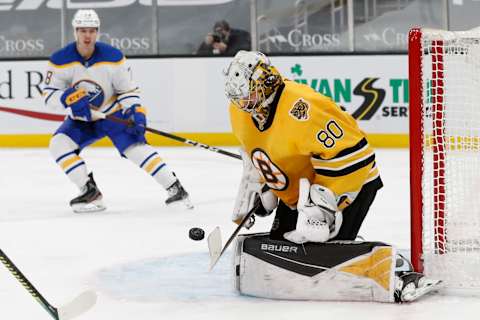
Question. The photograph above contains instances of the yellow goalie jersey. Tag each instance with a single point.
(306, 135)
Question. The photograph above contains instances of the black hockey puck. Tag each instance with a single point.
(196, 234)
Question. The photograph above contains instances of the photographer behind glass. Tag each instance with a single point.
(224, 40)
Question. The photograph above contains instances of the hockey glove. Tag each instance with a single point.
(251, 187)
(318, 215)
(76, 103)
(138, 119)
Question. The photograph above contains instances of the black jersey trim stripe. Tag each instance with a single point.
(273, 110)
(347, 157)
(347, 170)
(328, 166)
(361, 144)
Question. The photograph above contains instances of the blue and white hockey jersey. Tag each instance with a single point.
(105, 76)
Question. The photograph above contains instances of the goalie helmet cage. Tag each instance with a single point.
(444, 81)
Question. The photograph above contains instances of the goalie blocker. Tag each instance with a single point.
(337, 270)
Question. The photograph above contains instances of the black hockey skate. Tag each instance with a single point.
(412, 285)
(90, 199)
(177, 194)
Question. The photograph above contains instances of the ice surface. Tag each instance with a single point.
(137, 254)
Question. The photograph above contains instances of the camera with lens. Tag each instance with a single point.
(217, 37)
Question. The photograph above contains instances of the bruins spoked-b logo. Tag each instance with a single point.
(272, 175)
(300, 110)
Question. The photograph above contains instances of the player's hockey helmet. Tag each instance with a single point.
(85, 18)
(250, 80)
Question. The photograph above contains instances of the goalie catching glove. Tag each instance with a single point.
(318, 217)
(251, 187)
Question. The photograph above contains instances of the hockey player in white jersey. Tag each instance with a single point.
(84, 78)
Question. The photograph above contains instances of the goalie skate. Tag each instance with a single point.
(178, 195)
(90, 199)
(413, 285)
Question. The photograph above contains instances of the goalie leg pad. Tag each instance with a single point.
(338, 271)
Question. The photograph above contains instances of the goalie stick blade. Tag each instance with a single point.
(215, 237)
(214, 240)
(77, 306)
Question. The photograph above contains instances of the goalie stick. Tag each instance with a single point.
(74, 308)
(100, 115)
(214, 239)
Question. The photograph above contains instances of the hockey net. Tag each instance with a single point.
(444, 79)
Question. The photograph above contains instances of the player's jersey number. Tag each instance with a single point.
(273, 176)
(330, 134)
(48, 77)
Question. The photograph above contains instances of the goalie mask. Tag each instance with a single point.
(85, 18)
(251, 81)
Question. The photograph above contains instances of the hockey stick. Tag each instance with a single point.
(100, 115)
(214, 239)
(74, 308)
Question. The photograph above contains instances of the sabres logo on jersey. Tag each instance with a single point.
(299, 110)
(95, 93)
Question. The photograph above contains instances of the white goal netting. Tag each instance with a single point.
(450, 75)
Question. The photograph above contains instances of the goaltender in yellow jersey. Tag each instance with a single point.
(307, 135)
(289, 131)
(307, 159)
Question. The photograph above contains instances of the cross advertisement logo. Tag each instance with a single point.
(78, 4)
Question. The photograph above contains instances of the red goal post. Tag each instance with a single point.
(444, 84)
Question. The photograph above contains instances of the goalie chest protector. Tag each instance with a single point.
(339, 270)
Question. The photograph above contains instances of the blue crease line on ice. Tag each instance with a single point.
(180, 277)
